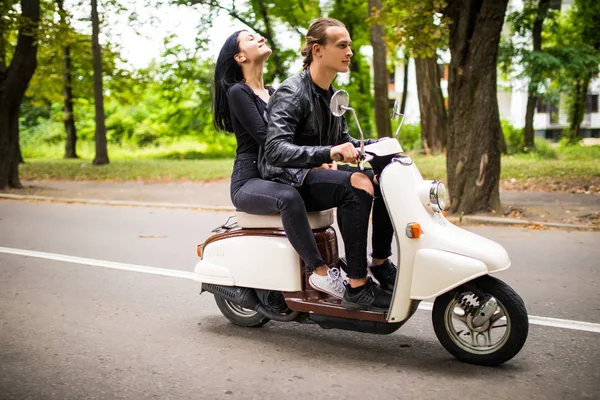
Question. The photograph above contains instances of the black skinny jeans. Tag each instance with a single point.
(251, 194)
(323, 189)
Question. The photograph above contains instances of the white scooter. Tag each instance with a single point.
(257, 276)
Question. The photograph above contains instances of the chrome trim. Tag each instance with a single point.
(433, 195)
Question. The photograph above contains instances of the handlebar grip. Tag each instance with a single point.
(338, 157)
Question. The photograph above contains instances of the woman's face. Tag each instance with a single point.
(252, 48)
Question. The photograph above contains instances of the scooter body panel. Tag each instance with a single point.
(437, 271)
(402, 187)
(260, 262)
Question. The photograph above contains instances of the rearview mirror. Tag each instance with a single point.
(396, 109)
(339, 103)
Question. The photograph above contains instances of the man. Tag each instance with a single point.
(303, 138)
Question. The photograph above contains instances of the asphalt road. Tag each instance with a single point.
(71, 331)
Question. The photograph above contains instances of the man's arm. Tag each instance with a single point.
(285, 114)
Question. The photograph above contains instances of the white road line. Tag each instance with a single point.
(100, 263)
(425, 306)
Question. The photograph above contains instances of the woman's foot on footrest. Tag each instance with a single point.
(332, 283)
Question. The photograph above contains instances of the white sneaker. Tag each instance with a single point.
(332, 283)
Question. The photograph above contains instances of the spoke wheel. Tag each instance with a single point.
(239, 315)
(492, 342)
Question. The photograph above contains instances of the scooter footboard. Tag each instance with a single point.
(436, 272)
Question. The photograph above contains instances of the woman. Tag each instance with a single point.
(239, 106)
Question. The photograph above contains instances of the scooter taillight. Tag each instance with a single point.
(199, 250)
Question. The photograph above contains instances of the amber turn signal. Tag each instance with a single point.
(444, 214)
(199, 250)
(413, 230)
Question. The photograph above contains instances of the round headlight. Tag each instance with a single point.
(438, 196)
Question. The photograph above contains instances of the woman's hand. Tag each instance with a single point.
(333, 166)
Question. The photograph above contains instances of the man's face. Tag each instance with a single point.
(336, 53)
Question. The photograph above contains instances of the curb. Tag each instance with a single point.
(128, 203)
(519, 222)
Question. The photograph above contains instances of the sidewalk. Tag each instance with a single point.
(537, 209)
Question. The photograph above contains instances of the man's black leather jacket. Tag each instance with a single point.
(297, 139)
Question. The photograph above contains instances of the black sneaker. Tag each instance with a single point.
(370, 298)
(385, 274)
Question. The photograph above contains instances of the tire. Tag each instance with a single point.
(239, 315)
(467, 347)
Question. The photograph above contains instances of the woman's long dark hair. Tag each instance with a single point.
(227, 73)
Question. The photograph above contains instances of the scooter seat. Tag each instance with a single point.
(317, 220)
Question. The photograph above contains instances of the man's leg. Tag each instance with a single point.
(352, 193)
(382, 267)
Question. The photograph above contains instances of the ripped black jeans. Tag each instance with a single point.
(323, 189)
(251, 194)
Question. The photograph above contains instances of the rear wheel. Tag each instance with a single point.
(239, 315)
(457, 320)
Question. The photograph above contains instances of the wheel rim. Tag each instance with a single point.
(239, 310)
(486, 339)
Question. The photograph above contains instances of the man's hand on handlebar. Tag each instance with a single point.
(345, 152)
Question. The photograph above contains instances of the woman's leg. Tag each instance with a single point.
(258, 196)
(323, 189)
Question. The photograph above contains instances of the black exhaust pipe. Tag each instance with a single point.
(247, 298)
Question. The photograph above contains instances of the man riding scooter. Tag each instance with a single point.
(302, 133)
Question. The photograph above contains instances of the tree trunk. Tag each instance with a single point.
(71, 132)
(380, 78)
(13, 84)
(405, 84)
(532, 97)
(578, 108)
(100, 135)
(71, 138)
(528, 133)
(431, 104)
(473, 160)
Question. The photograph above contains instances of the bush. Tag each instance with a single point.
(544, 149)
(513, 137)
(410, 137)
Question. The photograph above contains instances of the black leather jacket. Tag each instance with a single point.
(297, 139)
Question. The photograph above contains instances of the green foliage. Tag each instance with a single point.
(515, 144)
(418, 26)
(512, 136)
(353, 13)
(410, 137)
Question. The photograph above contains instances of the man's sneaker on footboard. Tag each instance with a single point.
(369, 297)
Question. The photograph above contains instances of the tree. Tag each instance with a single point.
(380, 73)
(70, 130)
(533, 64)
(473, 158)
(414, 28)
(264, 18)
(13, 83)
(353, 14)
(101, 157)
(581, 59)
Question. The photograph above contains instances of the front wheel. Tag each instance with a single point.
(475, 335)
(239, 315)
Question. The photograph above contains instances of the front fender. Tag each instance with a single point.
(435, 272)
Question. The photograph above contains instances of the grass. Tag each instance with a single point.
(180, 162)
